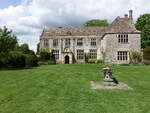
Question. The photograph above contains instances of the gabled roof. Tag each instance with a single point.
(122, 25)
(119, 25)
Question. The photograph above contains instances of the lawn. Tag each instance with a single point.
(66, 89)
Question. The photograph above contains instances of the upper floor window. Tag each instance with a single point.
(93, 41)
(80, 54)
(46, 43)
(56, 54)
(122, 55)
(67, 42)
(93, 54)
(55, 42)
(123, 38)
(79, 42)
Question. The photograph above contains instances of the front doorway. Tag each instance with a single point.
(66, 59)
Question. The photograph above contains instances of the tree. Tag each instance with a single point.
(96, 22)
(8, 41)
(24, 48)
(145, 34)
(143, 25)
(38, 48)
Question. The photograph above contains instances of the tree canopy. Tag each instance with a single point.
(8, 41)
(143, 25)
(96, 22)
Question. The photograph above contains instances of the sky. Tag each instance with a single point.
(27, 18)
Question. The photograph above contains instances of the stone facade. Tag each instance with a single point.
(111, 44)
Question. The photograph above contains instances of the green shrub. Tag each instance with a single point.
(92, 60)
(100, 62)
(146, 53)
(45, 54)
(14, 60)
(31, 60)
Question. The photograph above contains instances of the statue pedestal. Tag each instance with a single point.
(108, 80)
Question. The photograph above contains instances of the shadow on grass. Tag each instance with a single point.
(25, 68)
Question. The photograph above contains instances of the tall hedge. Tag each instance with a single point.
(146, 53)
(14, 59)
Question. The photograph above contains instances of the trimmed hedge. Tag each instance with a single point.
(146, 53)
(16, 59)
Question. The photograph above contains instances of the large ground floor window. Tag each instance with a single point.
(93, 54)
(122, 55)
(56, 54)
(80, 54)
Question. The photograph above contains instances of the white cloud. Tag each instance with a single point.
(29, 18)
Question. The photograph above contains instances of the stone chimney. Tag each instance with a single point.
(131, 16)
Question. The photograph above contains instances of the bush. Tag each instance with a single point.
(92, 60)
(146, 53)
(135, 58)
(14, 60)
(100, 62)
(45, 54)
(31, 60)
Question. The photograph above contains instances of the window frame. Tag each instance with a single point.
(56, 54)
(93, 41)
(79, 41)
(55, 42)
(46, 43)
(122, 55)
(80, 54)
(123, 38)
(93, 54)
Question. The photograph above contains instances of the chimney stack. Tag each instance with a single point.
(131, 16)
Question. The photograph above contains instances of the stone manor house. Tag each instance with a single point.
(113, 44)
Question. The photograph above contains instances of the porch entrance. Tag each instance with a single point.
(66, 59)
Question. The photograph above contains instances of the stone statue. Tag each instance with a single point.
(108, 80)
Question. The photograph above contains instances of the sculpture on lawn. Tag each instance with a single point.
(108, 79)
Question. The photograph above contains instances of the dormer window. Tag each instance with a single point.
(123, 38)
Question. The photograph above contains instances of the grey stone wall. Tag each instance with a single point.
(73, 45)
(111, 46)
(107, 47)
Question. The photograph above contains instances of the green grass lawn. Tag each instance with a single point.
(66, 89)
